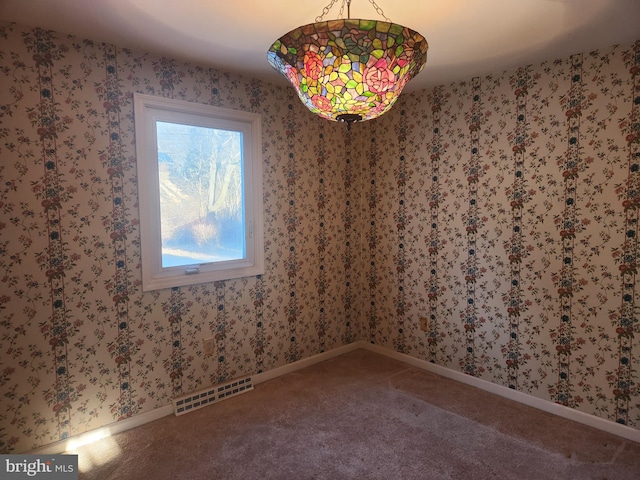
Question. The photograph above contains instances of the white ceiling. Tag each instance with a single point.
(466, 37)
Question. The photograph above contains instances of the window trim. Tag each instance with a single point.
(148, 109)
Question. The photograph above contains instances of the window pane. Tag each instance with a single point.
(201, 194)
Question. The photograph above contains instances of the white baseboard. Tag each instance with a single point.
(524, 398)
(545, 405)
(305, 362)
(73, 442)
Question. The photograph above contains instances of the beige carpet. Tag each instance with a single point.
(362, 416)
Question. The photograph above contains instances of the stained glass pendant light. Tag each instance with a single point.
(349, 70)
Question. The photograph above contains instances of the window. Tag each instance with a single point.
(200, 192)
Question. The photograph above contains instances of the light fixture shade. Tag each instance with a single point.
(349, 66)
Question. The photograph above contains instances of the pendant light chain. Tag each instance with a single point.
(326, 9)
(379, 10)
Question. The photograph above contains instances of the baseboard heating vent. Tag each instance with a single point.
(196, 400)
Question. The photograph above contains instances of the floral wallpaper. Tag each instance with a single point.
(503, 209)
(82, 345)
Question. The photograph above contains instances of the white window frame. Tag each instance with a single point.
(150, 109)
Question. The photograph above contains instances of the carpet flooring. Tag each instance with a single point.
(362, 416)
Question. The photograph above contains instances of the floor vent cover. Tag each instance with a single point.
(196, 400)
